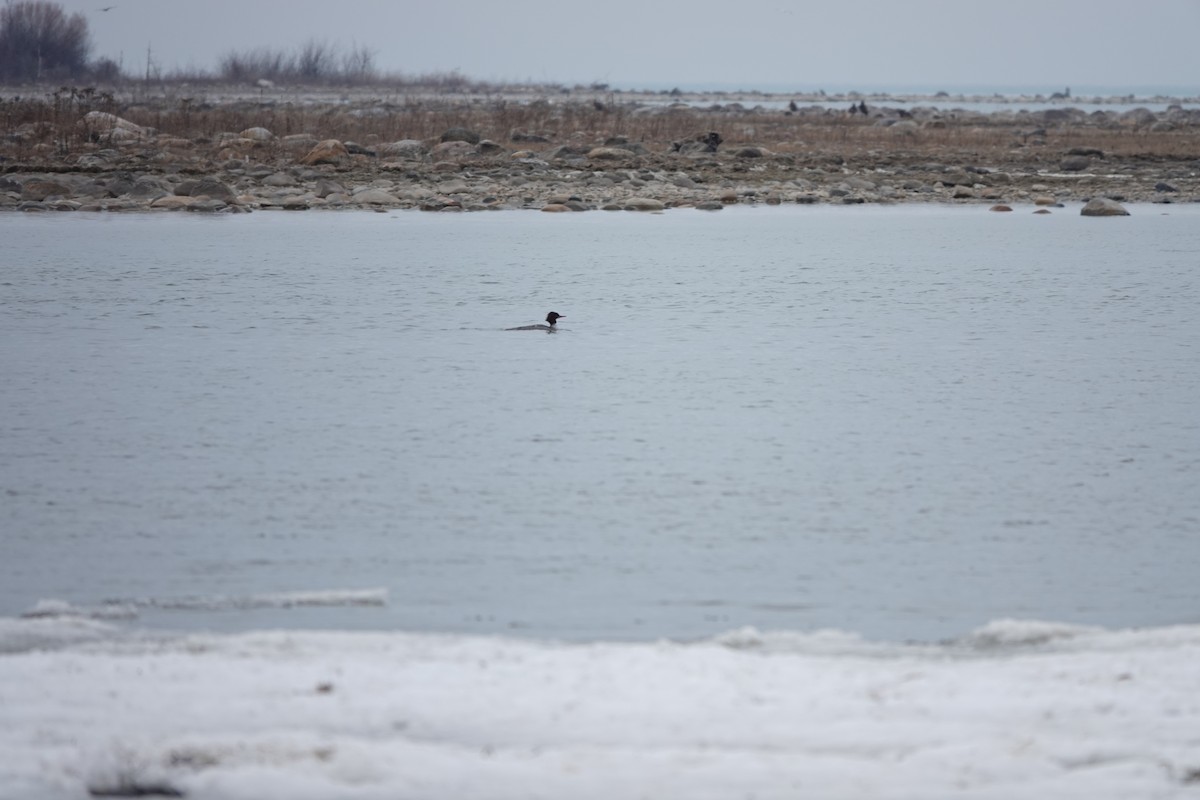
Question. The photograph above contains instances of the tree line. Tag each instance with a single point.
(40, 42)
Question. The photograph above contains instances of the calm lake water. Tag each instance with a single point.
(903, 422)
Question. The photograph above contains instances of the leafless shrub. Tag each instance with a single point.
(315, 61)
(358, 64)
(248, 66)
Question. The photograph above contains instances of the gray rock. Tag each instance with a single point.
(257, 134)
(637, 148)
(279, 179)
(454, 186)
(326, 187)
(566, 151)
(205, 187)
(643, 204)
(607, 153)
(375, 197)
(92, 189)
(150, 188)
(207, 203)
(38, 190)
(1075, 163)
(329, 151)
(1162, 186)
(93, 161)
(1103, 207)
(171, 202)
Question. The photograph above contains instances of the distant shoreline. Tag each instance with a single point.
(235, 148)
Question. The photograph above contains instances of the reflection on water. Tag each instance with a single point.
(903, 422)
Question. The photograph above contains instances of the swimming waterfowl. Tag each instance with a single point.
(551, 318)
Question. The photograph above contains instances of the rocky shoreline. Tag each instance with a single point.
(580, 154)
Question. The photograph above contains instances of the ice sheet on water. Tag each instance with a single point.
(1054, 711)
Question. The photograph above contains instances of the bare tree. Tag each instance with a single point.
(359, 63)
(251, 65)
(314, 61)
(38, 40)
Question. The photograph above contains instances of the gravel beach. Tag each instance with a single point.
(243, 150)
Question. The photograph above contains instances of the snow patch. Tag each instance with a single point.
(1054, 711)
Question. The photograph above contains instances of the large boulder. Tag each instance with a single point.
(1103, 207)
(642, 204)
(565, 152)
(326, 187)
(375, 197)
(39, 190)
(205, 187)
(171, 202)
(609, 153)
(279, 180)
(329, 151)
(257, 135)
(148, 188)
(102, 125)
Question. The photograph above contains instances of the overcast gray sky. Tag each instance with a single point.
(832, 44)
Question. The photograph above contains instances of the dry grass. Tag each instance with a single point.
(48, 125)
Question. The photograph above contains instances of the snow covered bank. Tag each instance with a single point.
(1014, 710)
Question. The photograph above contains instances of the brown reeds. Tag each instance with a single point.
(49, 124)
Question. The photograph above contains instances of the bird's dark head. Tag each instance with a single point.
(554, 317)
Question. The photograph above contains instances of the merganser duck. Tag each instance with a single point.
(551, 318)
